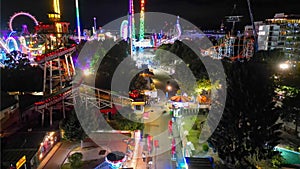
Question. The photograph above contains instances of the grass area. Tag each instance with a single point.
(194, 138)
(66, 166)
(84, 148)
(85, 164)
(193, 124)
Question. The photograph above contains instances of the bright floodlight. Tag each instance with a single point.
(284, 66)
(86, 72)
(169, 87)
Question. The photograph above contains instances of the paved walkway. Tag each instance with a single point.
(137, 161)
(59, 153)
(176, 135)
(55, 158)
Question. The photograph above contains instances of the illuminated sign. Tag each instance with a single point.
(21, 162)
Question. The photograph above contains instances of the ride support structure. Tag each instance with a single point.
(58, 69)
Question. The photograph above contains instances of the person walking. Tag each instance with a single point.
(144, 157)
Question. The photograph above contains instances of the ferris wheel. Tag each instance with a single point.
(24, 14)
(124, 29)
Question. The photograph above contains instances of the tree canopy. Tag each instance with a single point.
(75, 160)
(72, 128)
(17, 72)
(248, 127)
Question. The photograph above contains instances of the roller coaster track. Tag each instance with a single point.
(88, 95)
(102, 99)
(53, 55)
(227, 50)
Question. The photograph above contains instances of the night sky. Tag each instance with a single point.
(207, 14)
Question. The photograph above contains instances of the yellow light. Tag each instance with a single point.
(86, 72)
(51, 133)
(58, 27)
(284, 66)
(56, 7)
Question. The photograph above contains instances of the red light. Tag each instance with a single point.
(156, 144)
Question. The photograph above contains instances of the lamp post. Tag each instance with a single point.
(95, 23)
(156, 146)
(284, 66)
(168, 89)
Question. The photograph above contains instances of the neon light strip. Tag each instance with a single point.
(142, 20)
(130, 19)
(132, 25)
(78, 21)
(4, 46)
(56, 7)
(23, 43)
(14, 42)
(21, 13)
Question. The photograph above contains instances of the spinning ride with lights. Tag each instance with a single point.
(21, 14)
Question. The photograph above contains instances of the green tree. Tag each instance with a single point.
(139, 83)
(288, 87)
(112, 59)
(185, 62)
(204, 86)
(72, 128)
(126, 120)
(75, 160)
(160, 54)
(248, 127)
(291, 106)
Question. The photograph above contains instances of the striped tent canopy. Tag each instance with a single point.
(180, 99)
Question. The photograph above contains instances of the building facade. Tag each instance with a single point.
(268, 37)
(281, 32)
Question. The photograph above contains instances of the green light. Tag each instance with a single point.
(142, 20)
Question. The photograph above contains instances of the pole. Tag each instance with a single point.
(130, 25)
(61, 86)
(51, 114)
(68, 67)
(43, 117)
(50, 79)
(155, 157)
(72, 66)
(95, 24)
(45, 78)
(78, 21)
(253, 25)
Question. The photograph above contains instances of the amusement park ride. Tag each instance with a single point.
(234, 47)
(48, 48)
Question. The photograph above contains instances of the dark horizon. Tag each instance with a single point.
(205, 14)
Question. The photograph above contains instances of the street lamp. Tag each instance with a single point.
(284, 66)
(86, 72)
(169, 88)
